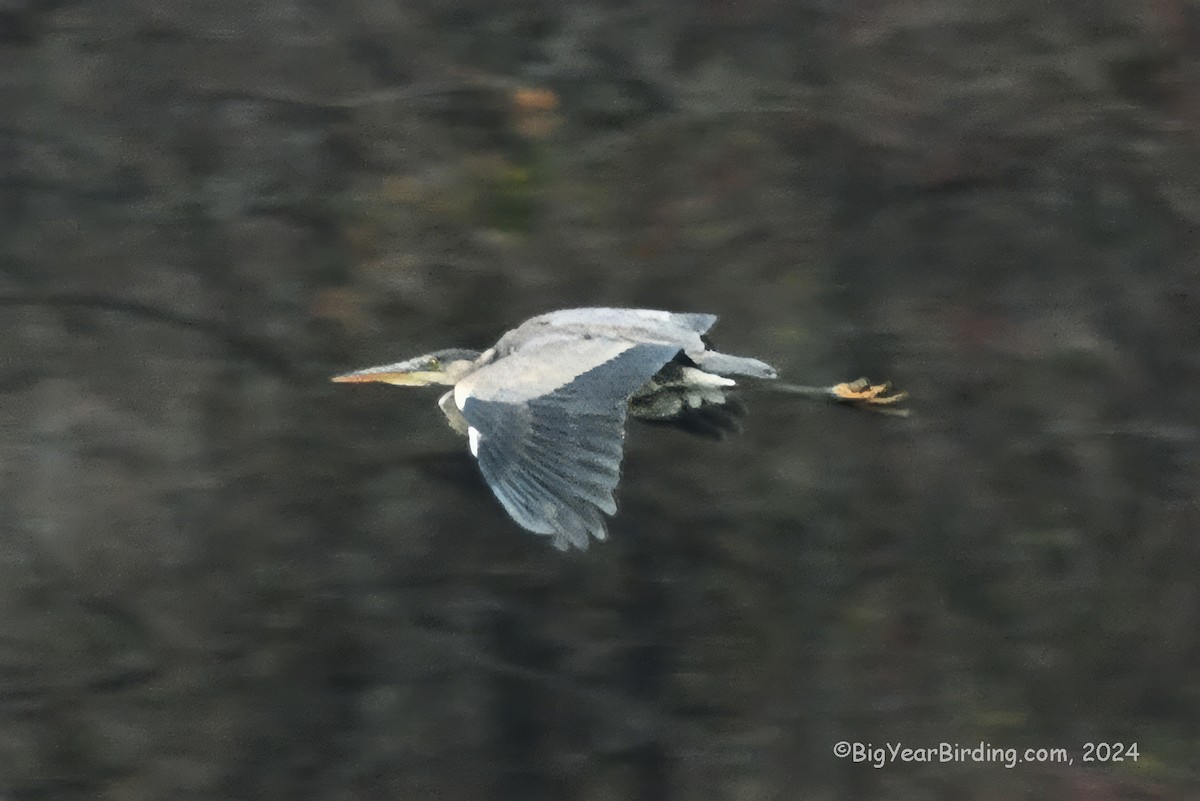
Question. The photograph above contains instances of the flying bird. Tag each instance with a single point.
(544, 408)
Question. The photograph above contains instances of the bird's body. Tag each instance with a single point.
(544, 409)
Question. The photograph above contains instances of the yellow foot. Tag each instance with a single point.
(870, 396)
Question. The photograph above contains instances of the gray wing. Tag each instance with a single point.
(646, 318)
(547, 425)
(635, 325)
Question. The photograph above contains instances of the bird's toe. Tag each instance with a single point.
(863, 393)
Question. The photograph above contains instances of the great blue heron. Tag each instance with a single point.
(544, 408)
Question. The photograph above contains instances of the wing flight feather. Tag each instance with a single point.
(551, 418)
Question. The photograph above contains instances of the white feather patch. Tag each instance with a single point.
(461, 393)
(699, 378)
(473, 437)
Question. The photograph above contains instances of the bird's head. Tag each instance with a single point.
(440, 367)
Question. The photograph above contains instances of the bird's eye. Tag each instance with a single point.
(434, 364)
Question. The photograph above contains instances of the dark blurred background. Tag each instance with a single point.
(222, 577)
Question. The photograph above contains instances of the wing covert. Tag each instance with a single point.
(551, 423)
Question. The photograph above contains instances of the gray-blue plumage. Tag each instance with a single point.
(554, 460)
(544, 409)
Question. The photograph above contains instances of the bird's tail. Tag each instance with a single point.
(711, 361)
